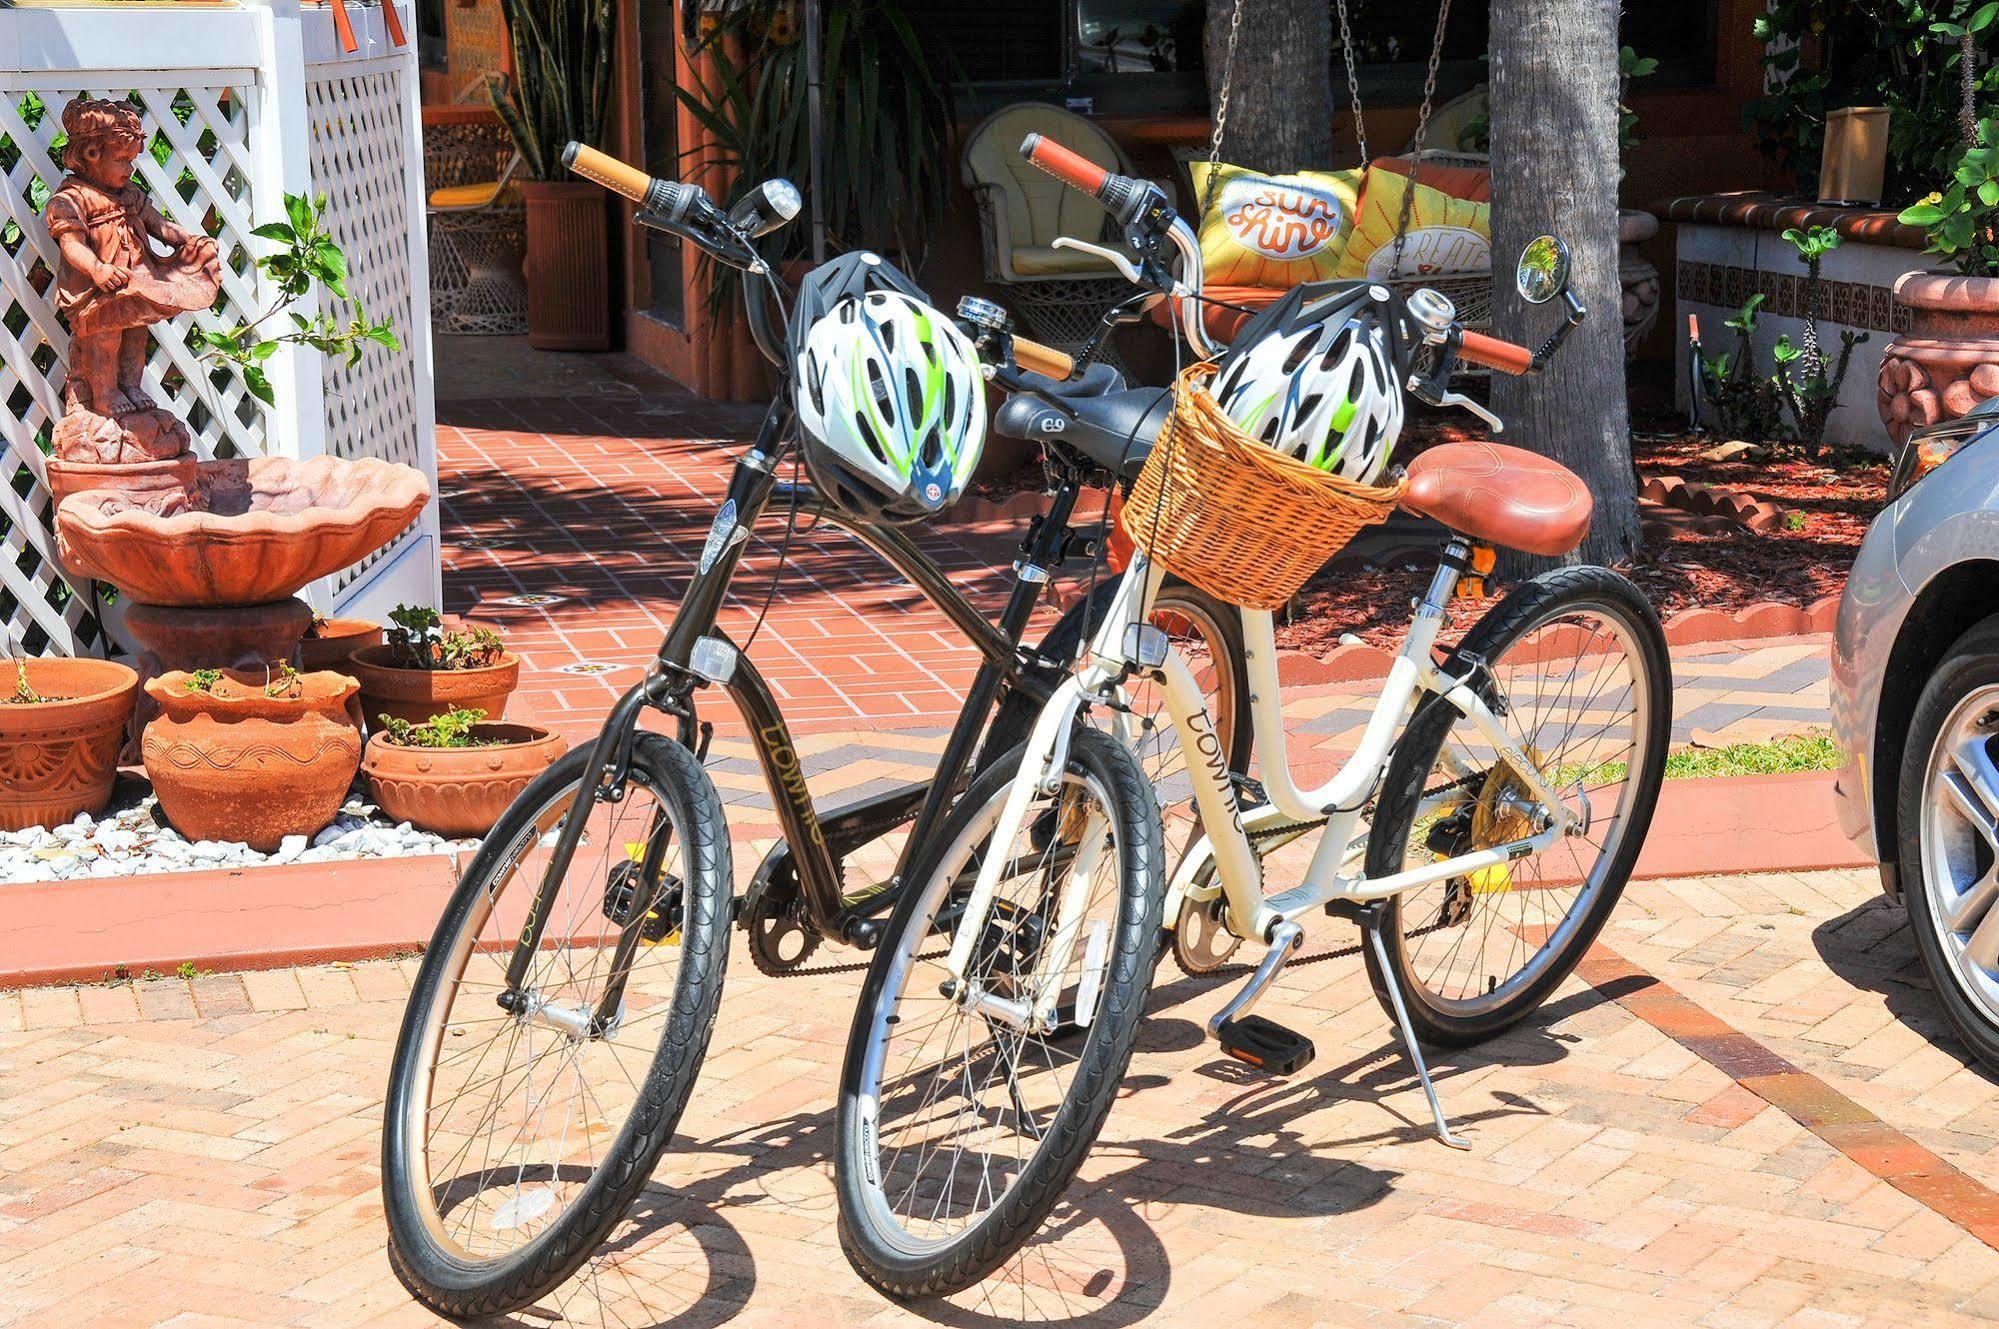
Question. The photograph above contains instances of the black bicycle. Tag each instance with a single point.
(560, 1016)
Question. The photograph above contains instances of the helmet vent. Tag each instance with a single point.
(914, 386)
(883, 398)
(1297, 355)
(867, 436)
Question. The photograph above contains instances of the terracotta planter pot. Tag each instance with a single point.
(237, 765)
(418, 694)
(60, 757)
(458, 791)
(567, 266)
(1948, 360)
(334, 642)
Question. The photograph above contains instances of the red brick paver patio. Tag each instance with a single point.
(203, 1153)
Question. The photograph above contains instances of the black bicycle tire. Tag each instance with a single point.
(1101, 1066)
(1416, 755)
(460, 1290)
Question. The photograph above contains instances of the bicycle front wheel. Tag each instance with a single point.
(523, 1119)
(961, 1122)
(1579, 675)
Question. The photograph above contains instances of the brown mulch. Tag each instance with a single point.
(1834, 499)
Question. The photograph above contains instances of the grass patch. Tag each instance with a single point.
(1810, 751)
(1813, 751)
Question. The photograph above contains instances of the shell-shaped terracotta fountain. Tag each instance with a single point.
(253, 531)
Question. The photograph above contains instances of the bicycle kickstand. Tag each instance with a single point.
(1373, 930)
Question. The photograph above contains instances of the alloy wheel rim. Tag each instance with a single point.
(1960, 847)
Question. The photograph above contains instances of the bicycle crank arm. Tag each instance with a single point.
(1286, 939)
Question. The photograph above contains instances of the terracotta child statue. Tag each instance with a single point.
(113, 284)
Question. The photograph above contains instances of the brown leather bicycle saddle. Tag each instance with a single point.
(1501, 496)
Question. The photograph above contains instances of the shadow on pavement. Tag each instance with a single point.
(1870, 946)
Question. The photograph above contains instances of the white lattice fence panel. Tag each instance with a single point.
(198, 172)
(359, 161)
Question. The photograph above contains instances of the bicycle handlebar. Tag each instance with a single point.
(1495, 353)
(668, 198)
(1044, 360)
(1141, 208)
(1122, 196)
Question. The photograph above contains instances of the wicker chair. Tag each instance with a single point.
(476, 248)
(1061, 294)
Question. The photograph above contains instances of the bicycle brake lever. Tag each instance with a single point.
(1111, 256)
(1459, 399)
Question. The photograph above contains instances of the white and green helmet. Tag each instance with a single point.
(1325, 394)
(891, 399)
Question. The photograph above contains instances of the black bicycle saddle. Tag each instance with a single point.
(1095, 416)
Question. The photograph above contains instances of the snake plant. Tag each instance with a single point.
(561, 86)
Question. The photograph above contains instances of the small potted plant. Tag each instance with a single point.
(251, 756)
(1948, 360)
(424, 670)
(330, 642)
(62, 723)
(454, 774)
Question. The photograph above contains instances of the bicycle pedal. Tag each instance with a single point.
(1266, 1045)
(1249, 792)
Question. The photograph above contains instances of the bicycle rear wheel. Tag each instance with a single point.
(959, 1129)
(519, 1127)
(1579, 669)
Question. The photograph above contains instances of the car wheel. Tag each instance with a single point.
(1948, 818)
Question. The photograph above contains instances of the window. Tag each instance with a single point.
(1139, 36)
(1148, 56)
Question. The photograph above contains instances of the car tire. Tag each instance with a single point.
(1965, 681)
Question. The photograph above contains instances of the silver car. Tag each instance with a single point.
(1915, 706)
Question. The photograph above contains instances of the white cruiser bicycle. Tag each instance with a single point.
(1480, 834)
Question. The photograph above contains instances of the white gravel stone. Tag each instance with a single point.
(135, 840)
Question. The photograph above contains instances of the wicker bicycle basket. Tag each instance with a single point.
(1234, 517)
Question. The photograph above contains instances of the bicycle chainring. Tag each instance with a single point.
(780, 941)
(1202, 942)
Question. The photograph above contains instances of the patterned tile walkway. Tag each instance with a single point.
(202, 1153)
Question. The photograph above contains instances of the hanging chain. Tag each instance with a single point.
(1222, 107)
(1422, 132)
(1353, 81)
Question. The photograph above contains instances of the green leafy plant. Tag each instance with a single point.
(1631, 67)
(1962, 220)
(306, 255)
(560, 90)
(24, 693)
(1807, 380)
(418, 641)
(1746, 402)
(1906, 55)
(453, 729)
(888, 115)
(202, 680)
(284, 681)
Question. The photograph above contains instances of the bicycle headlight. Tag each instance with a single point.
(1933, 445)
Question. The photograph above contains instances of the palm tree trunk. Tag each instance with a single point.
(1280, 114)
(1555, 169)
